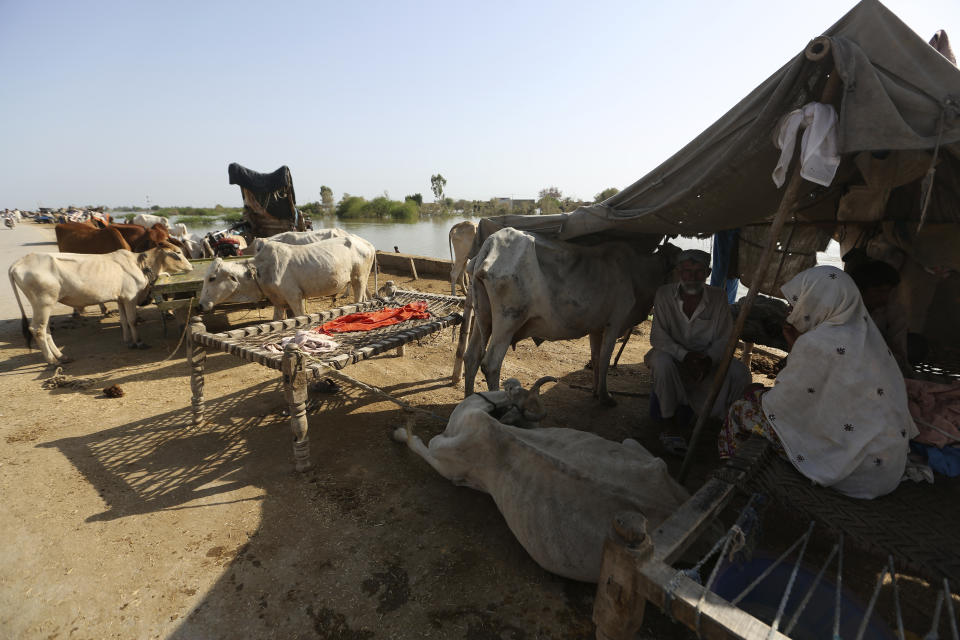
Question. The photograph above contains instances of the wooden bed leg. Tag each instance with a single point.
(295, 393)
(400, 350)
(619, 605)
(197, 357)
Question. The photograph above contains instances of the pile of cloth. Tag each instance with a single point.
(365, 321)
(308, 342)
(935, 409)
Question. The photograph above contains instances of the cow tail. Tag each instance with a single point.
(24, 323)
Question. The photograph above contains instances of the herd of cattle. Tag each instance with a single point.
(520, 285)
(121, 263)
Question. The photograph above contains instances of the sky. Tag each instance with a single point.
(142, 103)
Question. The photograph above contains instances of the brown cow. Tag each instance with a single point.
(79, 237)
(140, 238)
(83, 237)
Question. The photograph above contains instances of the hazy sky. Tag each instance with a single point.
(119, 102)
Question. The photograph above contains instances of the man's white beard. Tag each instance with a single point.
(692, 288)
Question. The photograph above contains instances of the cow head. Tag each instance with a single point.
(526, 408)
(221, 282)
(166, 258)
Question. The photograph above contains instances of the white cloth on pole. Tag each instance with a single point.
(818, 147)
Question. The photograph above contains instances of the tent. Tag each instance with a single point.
(898, 122)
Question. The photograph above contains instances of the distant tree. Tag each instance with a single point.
(549, 205)
(551, 192)
(416, 198)
(326, 197)
(606, 193)
(437, 183)
(155, 207)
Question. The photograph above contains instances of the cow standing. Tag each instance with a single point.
(460, 240)
(287, 274)
(528, 286)
(78, 280)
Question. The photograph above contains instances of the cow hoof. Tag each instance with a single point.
(64, 360)
(608, 402)
(142, 345)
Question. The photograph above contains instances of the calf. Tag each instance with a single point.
(86, 237)
(460, 241)
(527, 286)
(77, 280)
(286, 274)
(558, 489)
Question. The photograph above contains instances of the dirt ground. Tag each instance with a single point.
(121, 520)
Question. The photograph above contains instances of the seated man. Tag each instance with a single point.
(691, 326)
(876, 280)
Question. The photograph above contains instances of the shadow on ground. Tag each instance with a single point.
(369, 543)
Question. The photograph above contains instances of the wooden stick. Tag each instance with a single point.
(815, 51)
(413, 269)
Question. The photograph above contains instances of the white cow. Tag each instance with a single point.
(527, 286)
(147, 220)
(558, 489)
(460, 240)
(81, 279)
(297, 237)
(287, 274)
(179, 231)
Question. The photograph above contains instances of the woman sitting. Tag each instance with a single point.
(838, 410)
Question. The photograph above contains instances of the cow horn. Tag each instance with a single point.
(536, 385)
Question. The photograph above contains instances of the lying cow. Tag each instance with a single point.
(297, 237)
(148, 220)
(527, 286)
(558, 489)
(78, 280)
(287, 274)
(460, 240)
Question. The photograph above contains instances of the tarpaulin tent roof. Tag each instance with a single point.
(896, 90)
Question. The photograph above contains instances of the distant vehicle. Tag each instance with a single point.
(9, 221)
(44, 218)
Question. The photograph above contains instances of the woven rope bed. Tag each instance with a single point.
(298, 367)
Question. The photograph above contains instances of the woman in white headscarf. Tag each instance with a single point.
(838, 409)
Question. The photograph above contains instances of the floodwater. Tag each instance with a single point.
(428, 237)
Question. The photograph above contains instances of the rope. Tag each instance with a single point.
(927, 184)
(743, 594)
(790, 583)
(896, 599)
(950, 614)
(60, 379)
(933, 634)
(873, 602)
(809, 594)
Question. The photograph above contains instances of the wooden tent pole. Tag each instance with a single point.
(816, 50)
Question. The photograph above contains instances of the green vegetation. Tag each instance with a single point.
(194, 221)
(311, 209)
(609, 192)
(382, 208)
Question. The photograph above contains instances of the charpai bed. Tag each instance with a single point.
(299, 367)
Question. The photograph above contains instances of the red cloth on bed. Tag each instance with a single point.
(375, 319)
